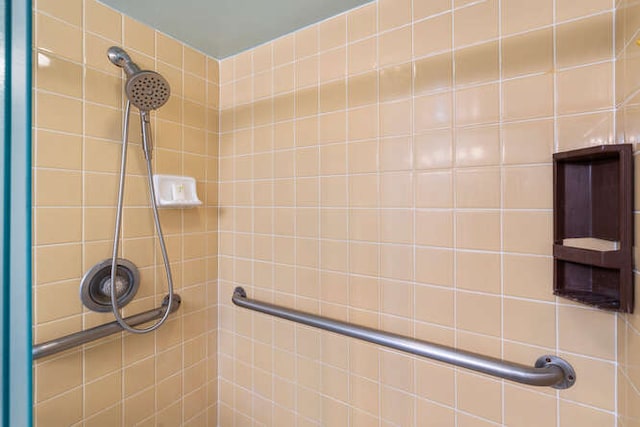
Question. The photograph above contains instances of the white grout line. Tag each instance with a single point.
(502, 206)
(454, 132)
(616, 124)
(555, 149)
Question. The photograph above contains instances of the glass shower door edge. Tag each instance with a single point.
(15, 181)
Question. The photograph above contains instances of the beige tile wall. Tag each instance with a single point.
(163, 378)
(391, 166)
(362, 178)
(628, 103)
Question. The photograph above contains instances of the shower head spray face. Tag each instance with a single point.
(147, 90)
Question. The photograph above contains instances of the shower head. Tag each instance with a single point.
(147, 90)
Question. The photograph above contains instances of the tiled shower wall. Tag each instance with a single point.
(163, 378)
(391, 167)
(628, 112)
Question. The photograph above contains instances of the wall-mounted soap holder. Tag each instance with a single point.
(173, 191)
(593, 226)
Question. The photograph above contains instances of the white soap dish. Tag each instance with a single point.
(173, 191)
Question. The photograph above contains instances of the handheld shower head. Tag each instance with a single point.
(147, 90)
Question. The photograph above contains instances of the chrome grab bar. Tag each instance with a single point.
(73, 340)
(551, 371)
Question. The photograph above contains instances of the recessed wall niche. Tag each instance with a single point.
(593, 226)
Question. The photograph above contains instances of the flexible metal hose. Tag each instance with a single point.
(118, 226)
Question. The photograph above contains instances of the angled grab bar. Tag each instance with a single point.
(76, 339)
(549, 371)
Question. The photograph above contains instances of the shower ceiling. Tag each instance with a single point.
(222, 28)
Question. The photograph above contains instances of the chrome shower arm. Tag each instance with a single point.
(120, 58)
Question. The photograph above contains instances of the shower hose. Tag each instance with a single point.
(118, 226)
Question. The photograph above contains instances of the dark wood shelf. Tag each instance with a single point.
(606, 302)
(589, 256)
(593, 198)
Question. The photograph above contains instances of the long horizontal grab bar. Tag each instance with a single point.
(549, 371)
(73, 340)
